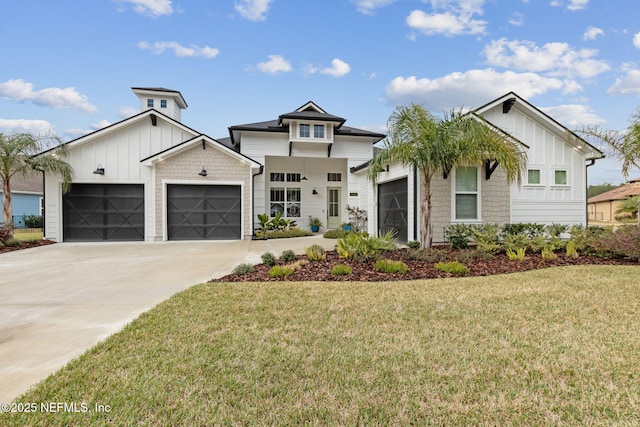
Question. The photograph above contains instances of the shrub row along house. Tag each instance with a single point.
(152, 178)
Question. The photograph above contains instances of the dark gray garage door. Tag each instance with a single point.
(97, 212)
(203, 212)
(392, 207)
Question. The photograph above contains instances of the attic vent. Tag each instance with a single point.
(506, 105)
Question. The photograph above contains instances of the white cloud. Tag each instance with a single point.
(153, 8)
(573, 4)
(275, 64)
(36, 127)
(557, 59)
(53, 97)
(447, 23)
(449, 17)
(592, 33)
(368, 7)
(577, 4)
(253, 10)
(636, 40)
(101, 124)
(76, 133)
(629, 84)
(471, 88)
(179, 50)
(517, 19)
(338, 68)
(573, 115)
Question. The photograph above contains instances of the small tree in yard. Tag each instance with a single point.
(17, 157)
(433, 145)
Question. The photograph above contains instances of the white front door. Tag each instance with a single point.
(333, 207)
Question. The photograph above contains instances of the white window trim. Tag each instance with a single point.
(542, 176)
(286, 185)
(553, 177)
(477, 220)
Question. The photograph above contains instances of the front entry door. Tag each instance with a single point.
(333, 207)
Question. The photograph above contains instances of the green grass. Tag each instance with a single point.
(18, 235)
(548, 347)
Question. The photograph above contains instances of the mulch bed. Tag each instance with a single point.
(418, 269)
(25, 245)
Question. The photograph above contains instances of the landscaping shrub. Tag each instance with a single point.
(623, 242)
(268, 259)
(458, 235)
(12, 243)
(341, 269)
(547, 253)
(241, 269)
(5, 233)
(453, 267)
(361, 247)
(516, 241)
(337, 233)
(487, 238)
(390, 266)
(414, 244)
(288, 255)
(285, 234)
(357, 218)
(517, 255)
(467, 256)
(571, 250)
(34, 221)
(280, 271)
(316, 253)
(529, 229)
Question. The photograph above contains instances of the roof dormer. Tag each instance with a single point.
(167, 101)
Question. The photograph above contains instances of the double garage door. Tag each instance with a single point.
(116, 212)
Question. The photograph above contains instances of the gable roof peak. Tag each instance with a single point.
(310, 106)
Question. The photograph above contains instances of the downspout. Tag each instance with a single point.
(44, 207)
(253, 198)
(415, 203)
(586, 190)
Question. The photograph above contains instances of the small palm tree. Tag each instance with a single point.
(430, 144)
(17, 157)
(630, 206)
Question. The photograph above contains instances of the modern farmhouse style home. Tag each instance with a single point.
(152, 178)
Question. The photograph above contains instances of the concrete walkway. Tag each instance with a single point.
(58, 301)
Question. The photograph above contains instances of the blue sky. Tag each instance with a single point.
(68, 66)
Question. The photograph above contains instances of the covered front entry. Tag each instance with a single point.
(204, 212)
(103, 212)
(392, 208)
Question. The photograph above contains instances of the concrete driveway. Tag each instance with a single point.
(58, 301)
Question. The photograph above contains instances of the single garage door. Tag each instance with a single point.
(103, 212)
(392, 208)
(203, 212)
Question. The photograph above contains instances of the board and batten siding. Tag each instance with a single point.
(119, 152)
(548, 151)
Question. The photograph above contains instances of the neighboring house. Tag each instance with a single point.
(151, 178)
(553, 188)
(27, 198)
(603, 207)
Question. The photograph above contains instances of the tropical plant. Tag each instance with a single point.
(316, 253)
(314, 221)
(517, 255)
(431, 145)
(547, 253)
(571, 251)
(357, 218)
(362, 247)
(487, 238)
(630, 206)
(19, 156)
(623, 146)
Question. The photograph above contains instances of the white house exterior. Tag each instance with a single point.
(151, 178)
(554, 188)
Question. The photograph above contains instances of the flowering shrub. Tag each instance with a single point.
(623, 242)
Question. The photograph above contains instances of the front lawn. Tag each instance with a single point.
(558, 346)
